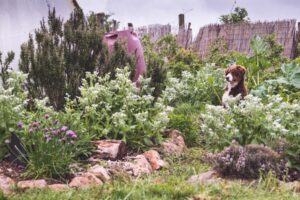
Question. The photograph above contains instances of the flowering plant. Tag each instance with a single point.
(50, 147)
(12, 106)
(253, 121)
(117, 109)
(205, 86)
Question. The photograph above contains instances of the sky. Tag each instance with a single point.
(15, 26)
(198, 12)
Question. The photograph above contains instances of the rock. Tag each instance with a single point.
(85, 180)
(5, 184)
(110, 149)
(58, 187)
(295, 185)
(205, 178)
(174, 145)
(142, 166)
(204, 197)
(154, 159)
(29, 184)
(135, 166)
(100, 172)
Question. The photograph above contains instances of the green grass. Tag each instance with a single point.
(167, 184)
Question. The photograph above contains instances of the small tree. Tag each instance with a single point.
(4, 67)
(60, 54)
(239, 15)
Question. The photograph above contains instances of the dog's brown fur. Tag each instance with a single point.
(238, 73)
(235, 76)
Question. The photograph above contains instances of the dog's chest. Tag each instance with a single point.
(226, 95)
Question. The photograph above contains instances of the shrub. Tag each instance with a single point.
(252, 121)
(184, 118)
(12, 106)
(205, 86)
(184, 60)
(250, 161)
(117, 109)
(287, 85)
(58, 55)
(155, 66)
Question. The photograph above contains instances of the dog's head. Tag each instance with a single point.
(235, 74)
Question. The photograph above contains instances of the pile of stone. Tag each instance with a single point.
(113, 154)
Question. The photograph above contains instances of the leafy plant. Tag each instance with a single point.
(184, 60)
(4, 66)
(184, 118)
(287, 85)
(253, 122)
(206, 86)
(12, 105)
(116, 109)
(58, 55)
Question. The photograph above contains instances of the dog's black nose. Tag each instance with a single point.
(227, 78)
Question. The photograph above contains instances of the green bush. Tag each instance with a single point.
(59, 54)
(117, 109)
(205, 86)
(252, 121)
(287, 85)
(12, 106)
(184, 118)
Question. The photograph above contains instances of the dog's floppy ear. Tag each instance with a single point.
(241, 69)
(226, 70)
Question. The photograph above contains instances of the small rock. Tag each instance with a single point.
(154, 159)
(5, 184)
(209, 177)
(174, 145)
(100, 172)
(135, 166)
(85, 180)
(295, 185)
(41, 183)
(142, 166)
(58, 187)
(204, 197)
(110, 149)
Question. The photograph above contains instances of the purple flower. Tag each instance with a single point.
(70, 133)
(46, 116)
(64, 128)
(20, 124)
(74, 136)
(35, 124)
(55, 132)
(47, 137)
(30, 130)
